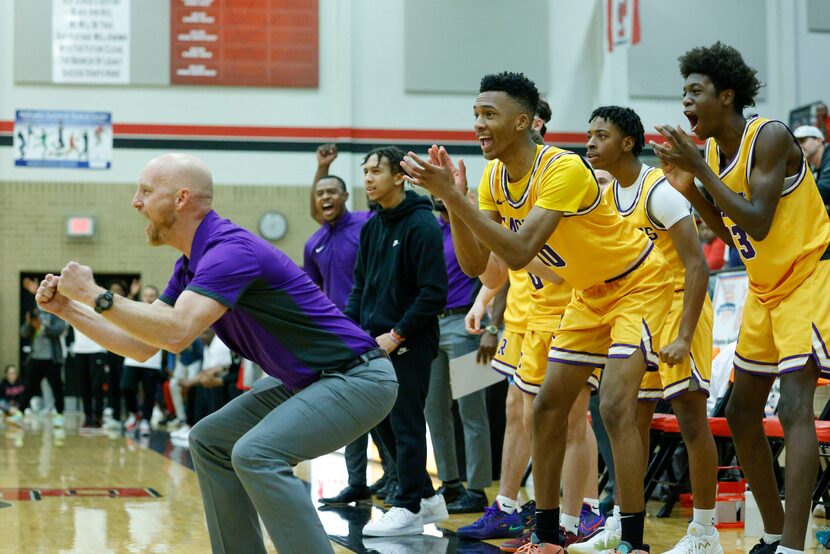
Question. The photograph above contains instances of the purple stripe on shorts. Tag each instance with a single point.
(571, 362)
(775, 364)
(576, 351)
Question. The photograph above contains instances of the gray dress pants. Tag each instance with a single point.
(472, 408)
(244, 455)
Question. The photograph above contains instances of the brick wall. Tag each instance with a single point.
(33, 222)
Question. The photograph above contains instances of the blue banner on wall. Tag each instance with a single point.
(63, 139)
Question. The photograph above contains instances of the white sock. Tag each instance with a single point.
(593, 503)
(769, 538)
(785, 550)
(506, 505)
(614, 521)
(570, 523)
(705, 518)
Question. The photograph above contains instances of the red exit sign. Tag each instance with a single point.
(80, 226)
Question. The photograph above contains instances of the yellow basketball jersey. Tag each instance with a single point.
(638, 215)
(518, 302)
(800, 230)
(547, 303)
(592, 243)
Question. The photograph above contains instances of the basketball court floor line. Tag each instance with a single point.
(106, 493)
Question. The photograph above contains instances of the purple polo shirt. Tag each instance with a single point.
(276, 315)
(330, 253)
(462, 289)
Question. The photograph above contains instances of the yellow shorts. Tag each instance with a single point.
(781, 339)
(508, 353)
(534, 363)
(694, 373)
(617, 318)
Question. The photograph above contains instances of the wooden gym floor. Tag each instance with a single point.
(67, 492)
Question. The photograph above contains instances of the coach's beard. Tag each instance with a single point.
(157, 232)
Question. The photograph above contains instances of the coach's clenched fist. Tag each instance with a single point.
(77, 283)
(48, 297)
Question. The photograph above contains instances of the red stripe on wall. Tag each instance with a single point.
(337, 133)
(343, 134)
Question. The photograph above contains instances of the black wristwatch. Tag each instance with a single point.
(103, 302)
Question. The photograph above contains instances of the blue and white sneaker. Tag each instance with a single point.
(494, 524)
(589, 522)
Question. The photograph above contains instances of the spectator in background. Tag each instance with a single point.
(222, 377)
(187, 367)
(89, 359)
(112, 414)
(203, 393)
(329, 258)
(815, 150)
(46, 359)
(713, 247)
(11, 394)
(603, 178)
(148, 373)
(822, 119)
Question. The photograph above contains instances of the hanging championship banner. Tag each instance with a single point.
(65, 139)
(91, 41)
(623, 23)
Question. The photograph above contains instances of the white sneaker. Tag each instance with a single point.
(144, 427)
(156, 416)
(130, 424)
(107, 413)
(697, 542)
(57, 420)
(397, 521)
(606, 539)
(182, 431)
(433, 509)
(112, 424)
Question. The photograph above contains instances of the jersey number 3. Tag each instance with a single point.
(745, 247)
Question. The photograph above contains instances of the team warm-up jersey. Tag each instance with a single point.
(518, 302)
(639, 213)
(800, 230)
(592, 243)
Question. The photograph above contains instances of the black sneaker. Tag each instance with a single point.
(451, 493)
(378, 485)
(528, 512)
(391, 494)
(388, 488)
(347, 496)
(764, 548)
(471, 502)
(359, 515)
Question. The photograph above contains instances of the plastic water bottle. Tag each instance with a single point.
(822, 538)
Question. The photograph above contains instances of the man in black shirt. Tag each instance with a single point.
(400, 288)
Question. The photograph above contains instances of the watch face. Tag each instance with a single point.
(273, 225)
(103, 302)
